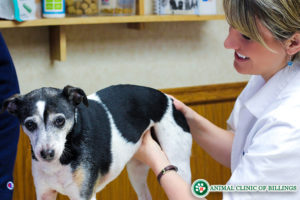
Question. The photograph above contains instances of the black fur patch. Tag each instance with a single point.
(90, 140)
(180, 120)
(132, 108)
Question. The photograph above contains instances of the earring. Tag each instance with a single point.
(290, 62)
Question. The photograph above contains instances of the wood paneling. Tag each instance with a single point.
(214, 102)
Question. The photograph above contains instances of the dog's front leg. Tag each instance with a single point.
(48, 195)
(137, 173)
(43, 191)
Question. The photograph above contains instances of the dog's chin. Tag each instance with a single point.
(53, 160)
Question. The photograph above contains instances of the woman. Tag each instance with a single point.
(263, 143)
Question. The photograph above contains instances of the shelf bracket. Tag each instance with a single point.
(57, 43)
(140, 10)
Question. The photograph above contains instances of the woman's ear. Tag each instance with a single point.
(293, 44)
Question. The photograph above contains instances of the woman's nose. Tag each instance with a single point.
(232, 40)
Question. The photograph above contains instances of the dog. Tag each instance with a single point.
(81, 143)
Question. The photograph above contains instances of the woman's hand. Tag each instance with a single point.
(151, 154)
(184, 109)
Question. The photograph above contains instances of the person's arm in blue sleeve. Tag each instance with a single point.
(9, 125)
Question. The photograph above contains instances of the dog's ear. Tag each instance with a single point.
(11, 105)
(75, 95)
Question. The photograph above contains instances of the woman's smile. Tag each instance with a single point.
(240, 57)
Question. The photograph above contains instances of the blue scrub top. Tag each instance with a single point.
(9, 125)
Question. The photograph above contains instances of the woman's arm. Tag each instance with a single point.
(151, 154)
(216, 141)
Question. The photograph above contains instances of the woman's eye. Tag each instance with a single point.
(245, 37)
(59, 122)
(30, 125)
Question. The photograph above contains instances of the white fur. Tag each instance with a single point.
(137, 173)
(53, 176)
(175, 143)
(41, 108)
(121, 149)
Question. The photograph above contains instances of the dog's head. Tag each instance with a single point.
(47, 115)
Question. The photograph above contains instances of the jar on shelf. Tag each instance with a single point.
(82, 7)
(51, 8)
(117, 7)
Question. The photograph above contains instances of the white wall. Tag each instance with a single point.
(163, 55)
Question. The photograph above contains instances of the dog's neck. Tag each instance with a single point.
(73, 139)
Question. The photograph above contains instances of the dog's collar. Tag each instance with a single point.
(75, 115)
(75, 120)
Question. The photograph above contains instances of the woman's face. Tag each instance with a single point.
(250, 57)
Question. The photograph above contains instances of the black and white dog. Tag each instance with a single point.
(80, 144)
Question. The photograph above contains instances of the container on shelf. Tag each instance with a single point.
(208, 7)
(53, 8)
(117, 7)
(82, 7)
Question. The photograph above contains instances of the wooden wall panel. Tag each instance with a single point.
(214, 102)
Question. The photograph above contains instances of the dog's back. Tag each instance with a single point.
(132, 110)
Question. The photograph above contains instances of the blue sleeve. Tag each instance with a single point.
(9, 125)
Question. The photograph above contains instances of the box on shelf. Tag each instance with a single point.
(176, 7)
(185, 7)
(82, 7)
(20, 10)
(117, 7)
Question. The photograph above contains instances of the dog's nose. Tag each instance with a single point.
(48, 154)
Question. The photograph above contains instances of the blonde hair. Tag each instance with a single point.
(280, 17)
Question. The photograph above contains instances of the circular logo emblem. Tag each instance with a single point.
(10, 185)
(200, 188)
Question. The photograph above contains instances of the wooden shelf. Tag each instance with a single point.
(57, 35)
(108, 20)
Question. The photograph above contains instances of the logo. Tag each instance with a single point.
(10, 185)
(200, 188)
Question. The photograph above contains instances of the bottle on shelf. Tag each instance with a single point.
(53, 8)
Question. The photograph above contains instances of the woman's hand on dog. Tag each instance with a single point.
(188, 113)
(151, 154)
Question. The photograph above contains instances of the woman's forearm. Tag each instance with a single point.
(216, 141)
(172, 183)
(175, 187)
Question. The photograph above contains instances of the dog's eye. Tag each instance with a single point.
(59, 122)
(30, 125)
